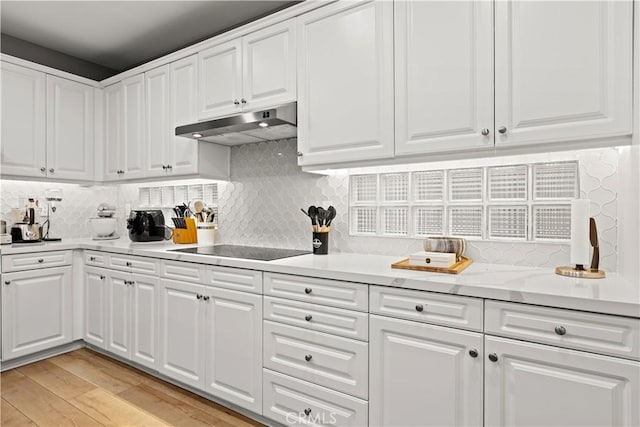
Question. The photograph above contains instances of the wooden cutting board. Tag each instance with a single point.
(454, 269)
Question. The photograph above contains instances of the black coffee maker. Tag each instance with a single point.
(146, 226)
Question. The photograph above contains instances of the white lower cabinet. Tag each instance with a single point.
(294, 402)
(95, 328)
(37, 311)
(424, 375)
(211, 339)
(132, 317)
(531, 384)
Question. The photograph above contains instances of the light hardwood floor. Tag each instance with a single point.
(84, 388)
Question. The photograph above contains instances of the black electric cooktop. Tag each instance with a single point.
(246, 252)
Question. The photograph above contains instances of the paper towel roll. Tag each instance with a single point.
(580, 242)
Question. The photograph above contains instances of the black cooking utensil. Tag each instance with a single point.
(332, 215)
(313, 214)
(322, 214)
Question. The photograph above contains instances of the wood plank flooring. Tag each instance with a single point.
(84, 388)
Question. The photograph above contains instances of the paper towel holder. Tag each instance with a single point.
(578, 270)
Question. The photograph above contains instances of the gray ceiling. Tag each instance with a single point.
(122, 34)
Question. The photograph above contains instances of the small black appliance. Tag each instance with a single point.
(146, 225)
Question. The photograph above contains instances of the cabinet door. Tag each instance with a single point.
(70, 129)
(269, 66)
(220, 72)
(532, 384)
(23, 151)
(183, 152)
(133, 154)
(424, 375)
(443, 76)
(182, 332)
(36, 311)
(113, 132)
(568, 79)
(345, 83)
(158, 132)
(144, 320)
(95, 306)
(234, 347)
(118, 313)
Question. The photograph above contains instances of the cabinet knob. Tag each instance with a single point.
(560, 330)
(502, 129)
(92, 258)
(308, 318)
(300, 154)
(101, 277)
(128, 264)
(419, 307)
(7, 282)
(493, 357)
(307, 411)
(308, 358)
(169, 167)
(485, 132)
(40, 260)
(164, 167)
(236, 102)
(244, 101)
(43, 169)
(52, 170)
(206, 297)
(307, 290)
(198, 296)
(473, 352)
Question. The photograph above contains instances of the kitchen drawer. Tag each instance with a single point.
(294, 402)
(339, 363)
(133, 264)
(235, 278)
(30, 261)
(599, 333)
(337, 321)
(96, 259)
(183, 271)
(428, 307)
(318, 291)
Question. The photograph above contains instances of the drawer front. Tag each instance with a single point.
(235, 278)
(294, 402)
(30, 261)
(428, 307)
(183, 271)
(96, 259)
(600, 333)
(318, 291)
(337, 321)
(133, 264)
(330, 361)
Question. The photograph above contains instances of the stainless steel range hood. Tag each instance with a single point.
(264, 125)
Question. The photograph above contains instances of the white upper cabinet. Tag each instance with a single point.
(184, 110)
(220, 80)
(133, 155)
(112, 131)
(443, 76)
(269, 66)
(70, 129)
(569, 79)
(345, 83)
(158, 125)
(23, 148)
(247, 73)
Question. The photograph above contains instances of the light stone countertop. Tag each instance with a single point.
(541, 286)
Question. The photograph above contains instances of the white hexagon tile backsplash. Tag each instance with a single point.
(261, 204)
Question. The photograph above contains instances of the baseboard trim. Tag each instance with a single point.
(41, 355)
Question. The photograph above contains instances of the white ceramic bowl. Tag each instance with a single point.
(103, 227)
